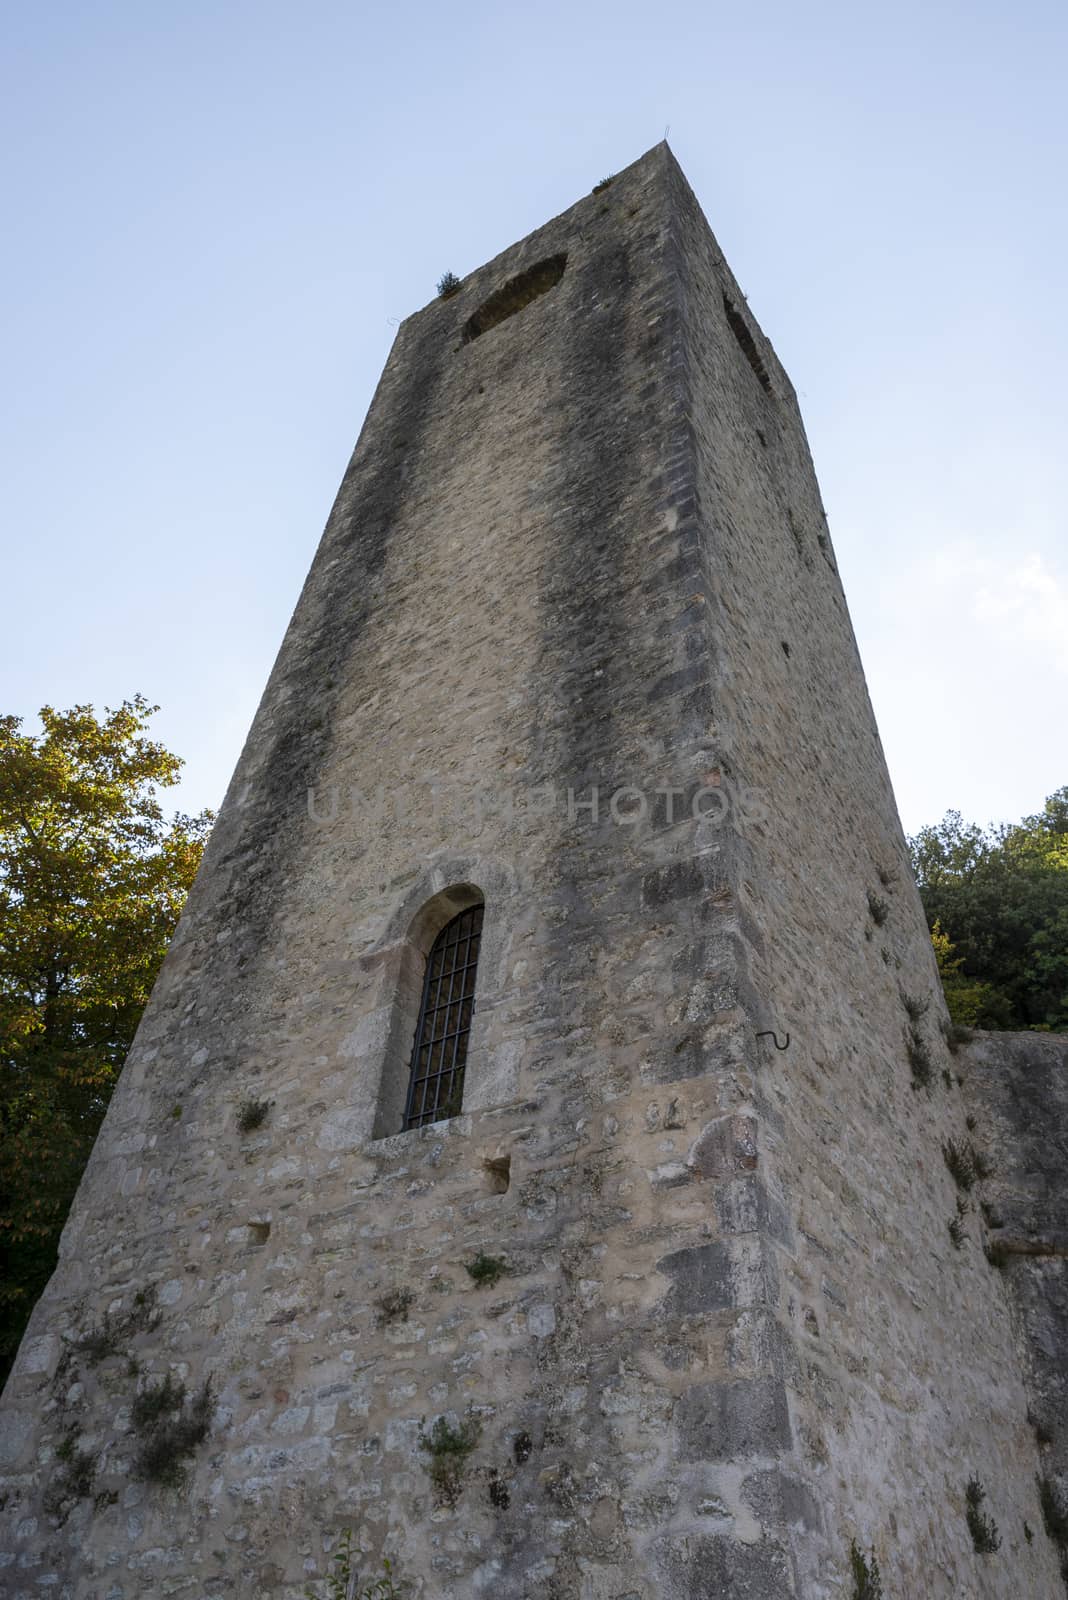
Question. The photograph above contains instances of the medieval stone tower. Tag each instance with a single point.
(530, 1159)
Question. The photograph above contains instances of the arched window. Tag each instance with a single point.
(439, 1055)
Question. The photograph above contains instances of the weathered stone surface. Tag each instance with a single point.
(777, 1498)
(539, 657)
(733, 1420)
(1016, 1085)
(693, 1566)
(712, 1277)
(725, 1146)
(701, 1279)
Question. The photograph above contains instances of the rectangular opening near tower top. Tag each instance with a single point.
(514, 295)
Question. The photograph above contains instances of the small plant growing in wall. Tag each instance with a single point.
(878, 910)
(108, 1336)
(156, 1401)
(958, 1160)
(956, 1224)
(867, 1582)
(599, 188)
(915, 1006)
(80, 1468)
(100, 1341)
(484, 1271)
(966, 1165)
(919, 1054)
(341, 1583)
(448, 285)
(985, 1537)
(448, 1448)
(171, 1424)
(73, 1480)
(252, 1114)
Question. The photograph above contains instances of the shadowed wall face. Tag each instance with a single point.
(1016, 1085)
(574, 648)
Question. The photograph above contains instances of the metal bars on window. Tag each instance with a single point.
(436, 1085)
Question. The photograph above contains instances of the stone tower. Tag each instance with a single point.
(659, 1301)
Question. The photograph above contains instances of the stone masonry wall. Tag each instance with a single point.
(1016, 1088)
(504, 599)
(582, 550)
(899, 1359)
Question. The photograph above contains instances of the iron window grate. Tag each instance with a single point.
(439, 1056)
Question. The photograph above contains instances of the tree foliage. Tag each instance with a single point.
(997, 905)
(92, 879)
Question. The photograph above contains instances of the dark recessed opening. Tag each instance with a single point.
(498, 1171)
(740, 330)
(514, 295)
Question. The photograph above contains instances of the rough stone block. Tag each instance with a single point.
(697, 1566)
(727, 1421)
(701, 1277)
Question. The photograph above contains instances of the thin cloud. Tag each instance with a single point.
(1026, 605)
(968, 709)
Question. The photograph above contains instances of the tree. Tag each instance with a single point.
(997, 904)
(971, 1003)
(92, 880)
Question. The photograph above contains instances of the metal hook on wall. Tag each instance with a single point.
(774, 1037)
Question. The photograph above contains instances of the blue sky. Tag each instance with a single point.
(215, 213)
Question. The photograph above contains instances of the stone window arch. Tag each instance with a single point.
(412, 961)
(446, 1009)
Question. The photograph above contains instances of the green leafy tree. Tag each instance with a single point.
(971, 1003)
(997, 904)
(92, 879)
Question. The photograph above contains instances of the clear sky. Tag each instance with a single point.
(215, 213)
